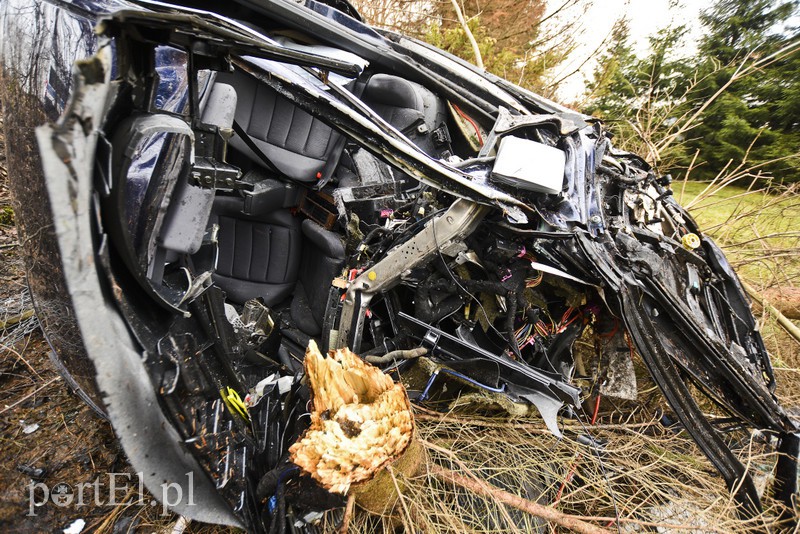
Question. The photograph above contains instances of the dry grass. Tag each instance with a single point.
(642, 477)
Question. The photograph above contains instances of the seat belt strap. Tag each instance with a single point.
(237, 128)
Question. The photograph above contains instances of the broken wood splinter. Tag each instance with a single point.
(361, 422)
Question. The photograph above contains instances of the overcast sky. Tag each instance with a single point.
(646, 17)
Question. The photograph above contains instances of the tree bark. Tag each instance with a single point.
(785, 298)
(787, 325)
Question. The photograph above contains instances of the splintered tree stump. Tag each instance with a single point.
(361, 422)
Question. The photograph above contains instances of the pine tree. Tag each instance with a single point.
(639, 98)
(736, 100)
(756, 117)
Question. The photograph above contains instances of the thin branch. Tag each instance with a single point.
(11, 321)
(468, 32)
(26, 397)
(741, 71)
(21, 358)
(484, 489)
(461, 465)
(348, 513)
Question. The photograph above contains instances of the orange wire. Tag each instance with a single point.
(469, 120)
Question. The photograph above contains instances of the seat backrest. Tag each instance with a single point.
(411, 108)
(259, 254)
(187, 218)
(323, 258)
(299, 145)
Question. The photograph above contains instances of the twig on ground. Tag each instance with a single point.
(11, 321)
(463, 467)
(485, 489)
(179, 527)
(574, 523)
(536, 428)
(20, 358)
(782, 320)
(348, 513)
(406, 517)
(31, 394)
(109, 520)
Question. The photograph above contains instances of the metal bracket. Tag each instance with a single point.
(211, 174)
(459, 221)
(431, 339)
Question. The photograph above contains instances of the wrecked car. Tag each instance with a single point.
(204, 193)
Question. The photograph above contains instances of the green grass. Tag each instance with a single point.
(6, 216)
(759, 229)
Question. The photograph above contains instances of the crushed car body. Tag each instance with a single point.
(220, 189)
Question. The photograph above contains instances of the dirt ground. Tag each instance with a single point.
(48, 434)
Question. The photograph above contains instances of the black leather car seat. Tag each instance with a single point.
(411, 108)
(259, 253)
(263, 250)
(260, 241)
(322, 261)
(300, 146)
